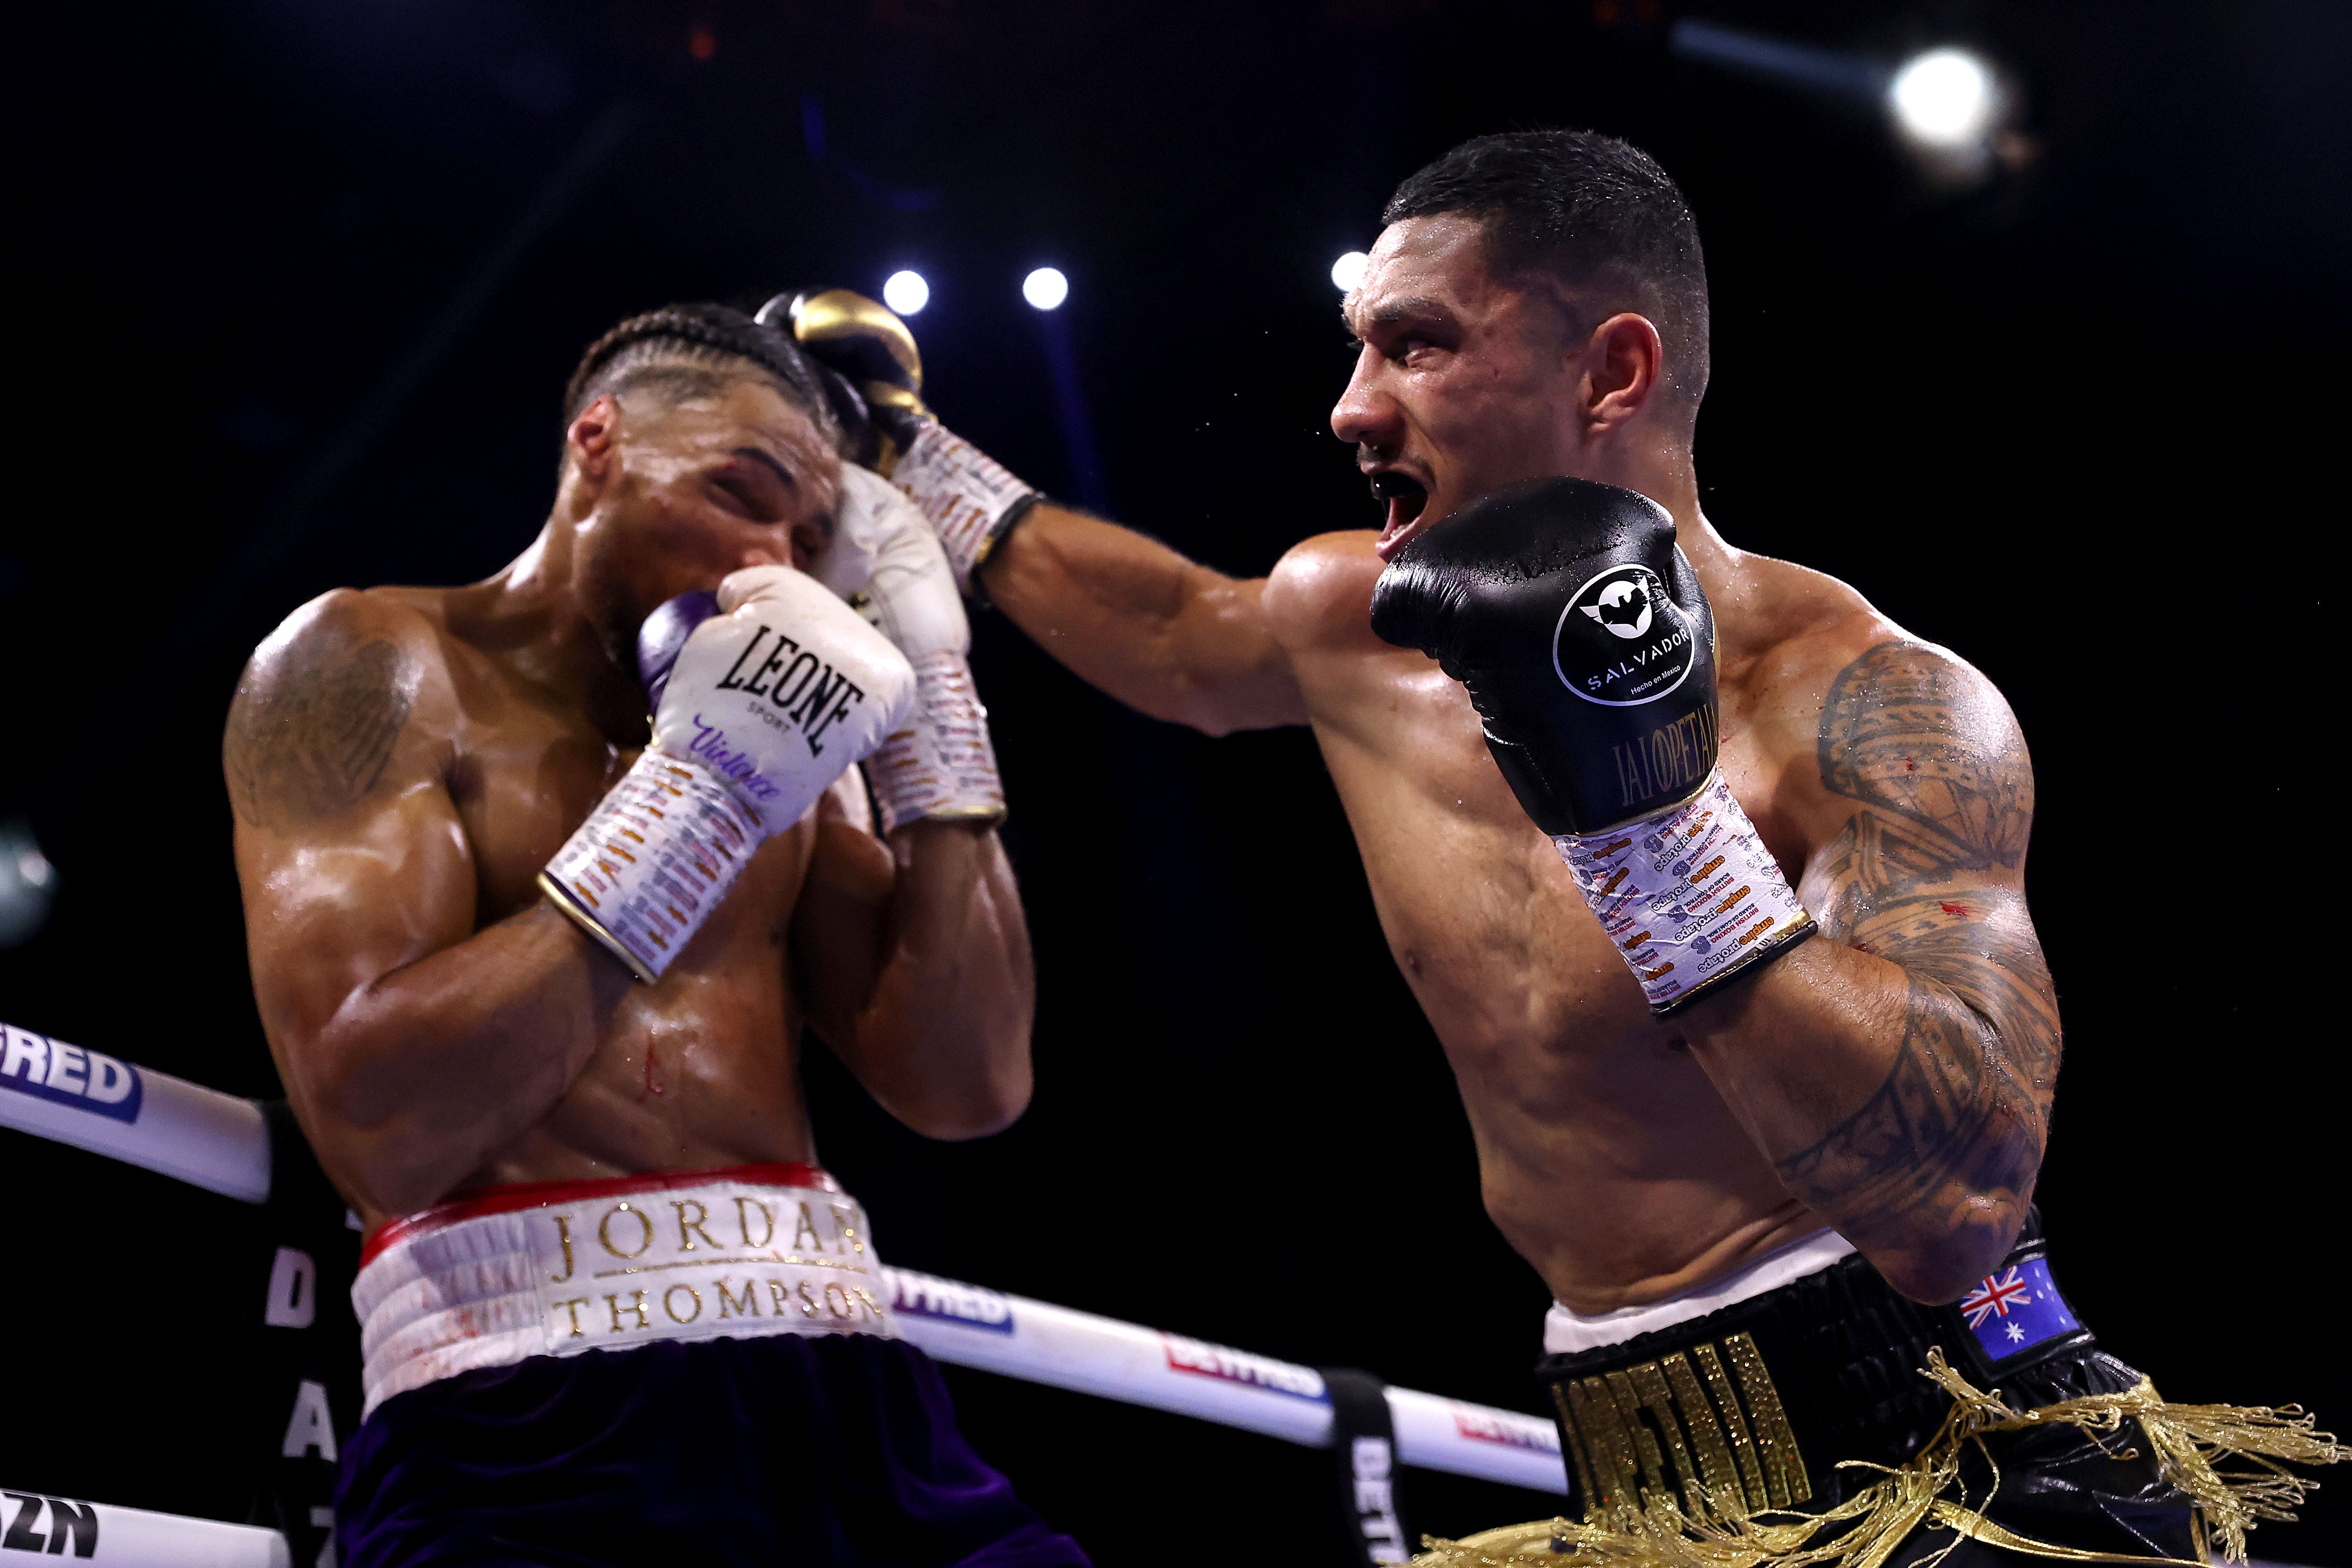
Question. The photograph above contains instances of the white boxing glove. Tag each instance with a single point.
(940, 762)
(770, 698)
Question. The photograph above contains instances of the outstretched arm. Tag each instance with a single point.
(411, 1046)
(913, 957)
(1127, 614)
(1900, 1074)
(1132, 616)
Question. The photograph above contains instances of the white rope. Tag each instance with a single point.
(221, 1142)
(1038, 1342)
(115, 1537)
(93, 1102)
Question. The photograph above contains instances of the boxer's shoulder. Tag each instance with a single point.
(355, 639)
(1319, 594)
(1780, 627)
(328, 627)
(1822, 682)
(328, 701)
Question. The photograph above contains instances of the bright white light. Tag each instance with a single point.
(1348, 270)
(1945, 97)
(1046, 289)
(906, 292)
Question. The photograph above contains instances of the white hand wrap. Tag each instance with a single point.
(967, 496)
(1689, 897)
(942, 764)
(655, 857)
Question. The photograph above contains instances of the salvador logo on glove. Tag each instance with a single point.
(1621, 639)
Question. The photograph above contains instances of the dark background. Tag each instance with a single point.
(298, 284)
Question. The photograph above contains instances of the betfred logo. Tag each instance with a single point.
(49, 1069)
(1490, 1426)
(1204, 1360)
(947, 1301)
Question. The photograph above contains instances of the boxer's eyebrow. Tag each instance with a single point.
(758, 456)
(1388, 313)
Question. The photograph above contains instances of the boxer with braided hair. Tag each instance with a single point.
(535, 976)
(683, 348)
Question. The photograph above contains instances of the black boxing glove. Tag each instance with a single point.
(1588, 648)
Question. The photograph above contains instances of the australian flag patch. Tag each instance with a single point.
(2016, 1309)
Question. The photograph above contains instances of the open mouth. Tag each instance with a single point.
(1403, 497)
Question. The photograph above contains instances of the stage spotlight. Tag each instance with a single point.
(1945, 99)
(1046, 289)
(28, 884)
(1348, 270)
(906, 292)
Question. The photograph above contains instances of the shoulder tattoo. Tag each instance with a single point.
(1938, 769)
(1923, 744)
(310, 739)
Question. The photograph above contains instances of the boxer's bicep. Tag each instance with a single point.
(840, 928)
(350, 850)
(1161, 634)
(1928, 768)
(912, 959)
(329, 916)
(1927, 875)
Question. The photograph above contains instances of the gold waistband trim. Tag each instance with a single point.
(2229, 1461)
(1734, 1444)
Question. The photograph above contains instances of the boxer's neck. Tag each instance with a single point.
(563, 646)
(1658, 465)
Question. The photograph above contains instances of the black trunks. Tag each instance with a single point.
(1761, 1400)
(835, 1451)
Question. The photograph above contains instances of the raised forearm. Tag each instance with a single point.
(943, 1042)
(1134, 618)
(424, 1073)
(1907, 1103)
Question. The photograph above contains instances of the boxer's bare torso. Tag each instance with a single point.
(1574, 1091)
(403, 762)
(1891, 1077)
(700, 1072)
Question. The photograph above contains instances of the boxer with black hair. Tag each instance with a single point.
(1709, 876)
(536, 972)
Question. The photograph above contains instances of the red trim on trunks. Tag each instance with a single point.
(540, 1194)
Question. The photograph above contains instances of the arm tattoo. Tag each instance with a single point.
(1938, 769)
(308, 742)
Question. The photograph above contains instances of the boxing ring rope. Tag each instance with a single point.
(134, 1538)
(221, 1142)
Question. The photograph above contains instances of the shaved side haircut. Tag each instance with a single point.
(1597, 216)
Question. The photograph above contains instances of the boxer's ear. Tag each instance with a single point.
(1624, 365)
(592, 439)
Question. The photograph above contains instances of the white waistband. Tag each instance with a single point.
(556, 1269)
(1566, 1332)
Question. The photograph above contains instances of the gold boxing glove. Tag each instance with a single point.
(969, 499)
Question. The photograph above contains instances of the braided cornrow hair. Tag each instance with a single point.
(713, 339)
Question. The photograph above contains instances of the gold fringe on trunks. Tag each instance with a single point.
(2226, 1458)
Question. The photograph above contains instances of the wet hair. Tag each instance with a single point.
(693, 350)
(1598, 215)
